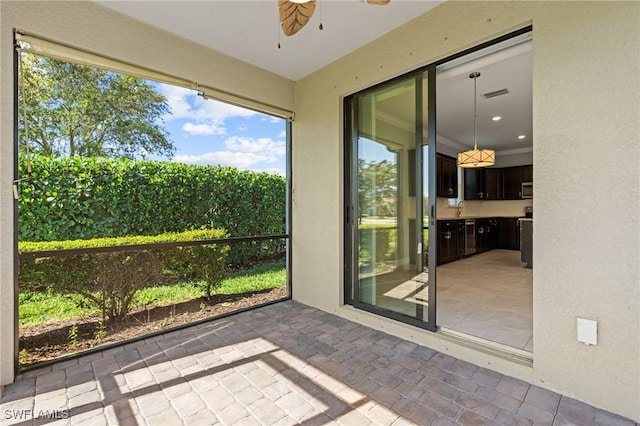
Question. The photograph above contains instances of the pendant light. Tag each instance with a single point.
(476, 157)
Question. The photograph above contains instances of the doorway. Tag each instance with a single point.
(485, 289)
(424, 236)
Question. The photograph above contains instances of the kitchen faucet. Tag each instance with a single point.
(459, 207)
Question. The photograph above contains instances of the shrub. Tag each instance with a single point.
(83, 198)
(110, 280)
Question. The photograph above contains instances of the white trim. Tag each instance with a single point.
(515, 151)
(450, 143)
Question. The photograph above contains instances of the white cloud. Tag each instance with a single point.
(261, 145)
(185, 103)
(204, 129)
(208, 109)
(241, 160)
(242, 153)
(271, 118)
(208, 115)
(177, 100)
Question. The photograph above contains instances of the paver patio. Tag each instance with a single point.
(282, 364)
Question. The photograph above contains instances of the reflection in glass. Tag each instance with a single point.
(390, 260)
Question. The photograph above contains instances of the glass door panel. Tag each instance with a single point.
(389, 159)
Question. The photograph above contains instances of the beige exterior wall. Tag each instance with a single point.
(587, 245)
(91, 27)
(587, 171)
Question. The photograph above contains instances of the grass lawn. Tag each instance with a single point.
(40, 308)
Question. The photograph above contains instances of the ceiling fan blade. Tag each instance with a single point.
(378, 2)
(294, 16)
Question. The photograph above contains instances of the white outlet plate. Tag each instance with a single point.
(587, 331)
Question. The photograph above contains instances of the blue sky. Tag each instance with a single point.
(208, 132)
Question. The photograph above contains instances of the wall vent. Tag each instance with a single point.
(496, 93)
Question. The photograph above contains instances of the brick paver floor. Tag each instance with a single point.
(280, 365)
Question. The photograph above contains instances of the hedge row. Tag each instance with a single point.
(84, 198)
(110, 280)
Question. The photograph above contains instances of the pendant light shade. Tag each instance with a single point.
(476, 157)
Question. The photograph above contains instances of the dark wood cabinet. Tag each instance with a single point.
(482, 184)
(473, 184)
(490, 233)
(512, 177)
(527, 173)
(492, 184)
(509, 233)
(496, 183)
(493, 233)
(487, 234)
(448, 241)
(447, 176)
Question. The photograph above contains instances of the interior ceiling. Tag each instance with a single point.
(510, 69)
(250, 31)
(507, 68)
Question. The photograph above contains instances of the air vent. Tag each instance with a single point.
(496, 93)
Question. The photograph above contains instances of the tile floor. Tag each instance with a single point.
(489, 295)
(282, 364)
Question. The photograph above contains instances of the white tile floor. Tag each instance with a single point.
(489, 295)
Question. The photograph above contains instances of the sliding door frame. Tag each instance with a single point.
(351, 237)
(350, 178)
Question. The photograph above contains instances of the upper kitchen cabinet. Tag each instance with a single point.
(496, 183)
(483, 184)
(447, 176)
(492, 184)
(473, 184)
(513, 178)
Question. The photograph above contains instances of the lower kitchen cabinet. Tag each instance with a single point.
(509, 234)
(490, 233)
(487, 234)
(450, 240)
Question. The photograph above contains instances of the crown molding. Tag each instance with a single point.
(404, 125)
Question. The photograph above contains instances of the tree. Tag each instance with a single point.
(76, 110)
(377, 187)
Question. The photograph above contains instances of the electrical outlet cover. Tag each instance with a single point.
(587, 331)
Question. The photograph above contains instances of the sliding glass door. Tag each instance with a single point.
(388, 201)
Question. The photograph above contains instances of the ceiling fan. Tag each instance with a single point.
(295, 14)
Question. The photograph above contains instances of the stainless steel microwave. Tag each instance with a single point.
(527, 190)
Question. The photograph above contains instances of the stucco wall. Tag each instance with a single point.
(89, 26)
(587, 163)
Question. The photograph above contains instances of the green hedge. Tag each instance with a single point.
(84, 198)
(110, 280)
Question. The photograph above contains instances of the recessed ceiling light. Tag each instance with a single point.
(521, 137)
(497, 118)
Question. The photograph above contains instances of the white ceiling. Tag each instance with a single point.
(249, 29)
(500, 67)
(509, 69)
